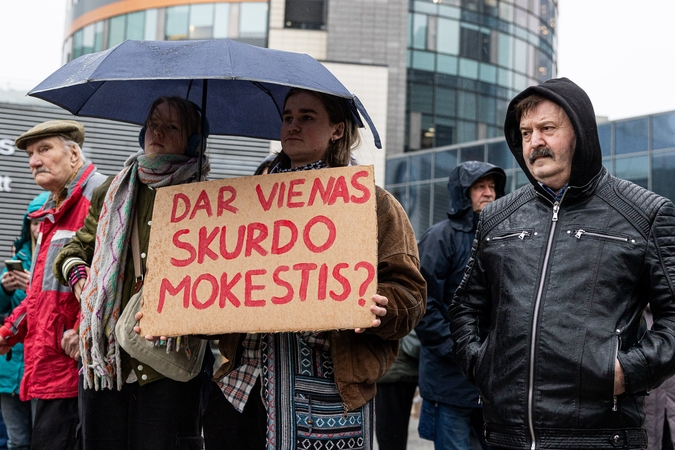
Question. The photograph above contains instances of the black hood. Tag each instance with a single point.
(587, 160)
(460, 180)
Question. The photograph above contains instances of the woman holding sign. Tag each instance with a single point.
(316, 389)
(125, 403)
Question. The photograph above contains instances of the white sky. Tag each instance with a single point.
(621, 52)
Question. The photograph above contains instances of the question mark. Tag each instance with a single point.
(371, 274)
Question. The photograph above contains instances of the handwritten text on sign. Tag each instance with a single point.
(281, 252)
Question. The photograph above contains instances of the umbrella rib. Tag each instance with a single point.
(187, 96)
(88, 98)
(267, 91)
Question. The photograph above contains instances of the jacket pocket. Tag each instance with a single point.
(516, 234)
(319, 410)
(583, 234)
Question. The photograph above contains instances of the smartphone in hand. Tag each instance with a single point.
(13, 264)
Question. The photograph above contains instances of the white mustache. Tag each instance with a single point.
(40, 170)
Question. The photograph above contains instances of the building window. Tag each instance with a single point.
(631, 137)
(663, 132)
(635, 169)
(150, 32)
(306, 14)
(201, 21)
(116, 29)
(176, 23)
(605, 136)
(135, 22)
(475, 44)
(419, 31)
(663, 168)
(448, 36)
(221, 20)
(253, 24)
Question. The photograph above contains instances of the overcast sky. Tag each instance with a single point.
(621, 52)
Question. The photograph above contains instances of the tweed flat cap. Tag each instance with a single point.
(71, 129)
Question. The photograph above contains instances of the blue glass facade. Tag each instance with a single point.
(467, 59)
(641, 150)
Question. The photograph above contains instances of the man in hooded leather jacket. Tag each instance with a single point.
(450, 402)
(548, 318)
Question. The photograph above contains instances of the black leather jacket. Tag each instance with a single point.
(554, 292)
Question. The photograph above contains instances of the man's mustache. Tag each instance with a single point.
(40, 170)
(539, 152)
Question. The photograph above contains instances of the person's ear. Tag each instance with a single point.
(338, 131)
(75, 154)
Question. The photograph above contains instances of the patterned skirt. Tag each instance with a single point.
(304, 407)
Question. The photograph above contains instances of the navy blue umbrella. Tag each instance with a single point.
(240, 87)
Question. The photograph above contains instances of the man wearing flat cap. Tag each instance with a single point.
(47, 320)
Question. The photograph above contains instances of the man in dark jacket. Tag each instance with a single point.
(548, 318)
(450, 405)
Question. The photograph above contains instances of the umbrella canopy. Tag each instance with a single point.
(240, 87)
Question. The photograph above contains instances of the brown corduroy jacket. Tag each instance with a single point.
(359, 360)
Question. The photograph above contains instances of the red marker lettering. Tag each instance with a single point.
(341, 191)
(366, 192)
(346, 287)
(266, 203)
(203, 203)
(305, 268)
(183, 246)
(332, 233)
(241, 232)
(283, 283)
(249, 287)
(226, 290)
(276, 236)
(318, 188)
(225, 204)
(166, 286)
(293, 193)
(204, 242)
(185, 200)
(257, 232)
(214, 291)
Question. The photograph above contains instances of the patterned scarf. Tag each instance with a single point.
(101, 300)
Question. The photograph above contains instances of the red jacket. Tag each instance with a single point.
(51, 308)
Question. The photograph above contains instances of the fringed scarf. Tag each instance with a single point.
(101, 300)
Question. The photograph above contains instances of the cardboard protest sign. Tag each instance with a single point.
(282, 252)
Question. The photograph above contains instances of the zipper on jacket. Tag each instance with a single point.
(535, 320)
(579, 233)
(522, 235)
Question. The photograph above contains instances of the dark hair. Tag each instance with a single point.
(266, 163)
(189, 114)
(339, 152)
(527, 105)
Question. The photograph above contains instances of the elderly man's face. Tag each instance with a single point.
(52, 163)
(482, 192)
(548, 144)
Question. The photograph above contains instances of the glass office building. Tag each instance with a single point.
(640, 149)
(467, 59)
(242, 21)
(452, 65)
